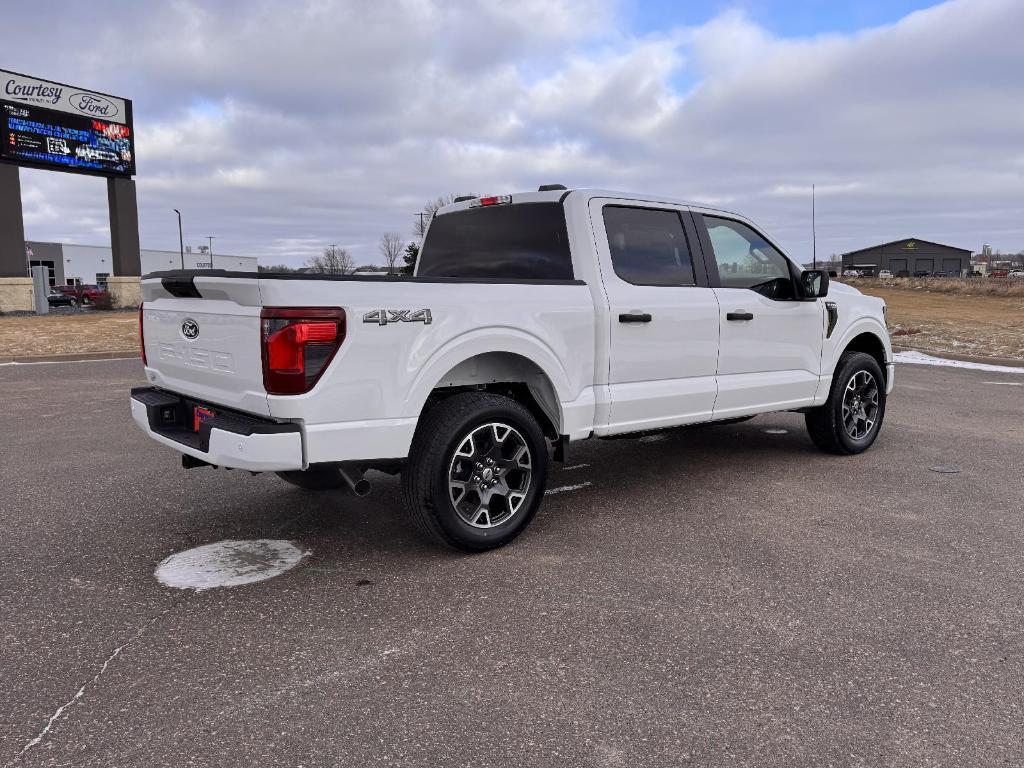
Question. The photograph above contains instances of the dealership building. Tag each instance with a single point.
(70, 264)
(910, 255)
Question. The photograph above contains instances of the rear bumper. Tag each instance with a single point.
(230, 439)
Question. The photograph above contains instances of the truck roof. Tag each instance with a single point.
(557, 195)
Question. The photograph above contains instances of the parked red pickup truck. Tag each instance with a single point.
(84, 294)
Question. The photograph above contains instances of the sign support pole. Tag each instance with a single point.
(12, 224)
(124, 227)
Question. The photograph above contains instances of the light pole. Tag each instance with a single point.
(181, 239)
(211, 239)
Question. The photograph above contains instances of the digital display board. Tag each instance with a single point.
(49, 125)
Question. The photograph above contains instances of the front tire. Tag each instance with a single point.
(851, 418)
(476, 472)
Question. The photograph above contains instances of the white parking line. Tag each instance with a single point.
(70, 362)
(566, 488)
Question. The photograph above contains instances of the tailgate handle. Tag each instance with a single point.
(183, 287)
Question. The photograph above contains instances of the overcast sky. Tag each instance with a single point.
(281, 127)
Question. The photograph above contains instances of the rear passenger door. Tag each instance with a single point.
(769, 356)
(662, 319)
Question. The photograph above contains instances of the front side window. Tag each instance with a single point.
(524, 241)
(648, 247)
(746, 260)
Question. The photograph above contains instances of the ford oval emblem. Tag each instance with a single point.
(190, 329)
(91, 104)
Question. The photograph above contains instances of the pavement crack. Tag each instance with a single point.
(79, 693)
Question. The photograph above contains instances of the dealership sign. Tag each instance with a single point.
(51, 125)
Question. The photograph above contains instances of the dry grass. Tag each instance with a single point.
(59, 333)
(976, 286)
(982, 316)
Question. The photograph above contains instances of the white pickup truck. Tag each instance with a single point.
(532, 321)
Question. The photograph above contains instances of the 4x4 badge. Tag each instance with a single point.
(385, 316)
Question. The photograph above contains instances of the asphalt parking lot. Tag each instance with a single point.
(719, 596)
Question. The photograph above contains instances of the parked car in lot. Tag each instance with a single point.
(531, 321)
(58, 299)
(903, 273)
(1017, 273)
(85, 294)
(999, 273)
(885, 274)
(851, 273)
(922, 273)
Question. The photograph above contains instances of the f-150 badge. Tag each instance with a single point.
(385, 316)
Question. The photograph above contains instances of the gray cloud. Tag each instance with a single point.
(280, 127)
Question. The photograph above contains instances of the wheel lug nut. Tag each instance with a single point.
(479, 465)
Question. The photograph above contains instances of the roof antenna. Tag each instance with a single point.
(814, 232)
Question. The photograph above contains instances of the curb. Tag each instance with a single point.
(126, 354)
(1012, 362)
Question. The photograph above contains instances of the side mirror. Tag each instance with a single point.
(813, 284)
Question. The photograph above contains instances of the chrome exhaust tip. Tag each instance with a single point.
(355, 481)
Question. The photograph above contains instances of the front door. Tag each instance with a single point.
(770, 350)
(662, 319)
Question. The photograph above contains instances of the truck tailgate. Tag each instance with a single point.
(208, 348)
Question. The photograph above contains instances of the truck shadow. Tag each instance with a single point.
(703, 460)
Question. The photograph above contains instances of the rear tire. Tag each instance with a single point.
(318, 479)
(476, 472)
(851, 418)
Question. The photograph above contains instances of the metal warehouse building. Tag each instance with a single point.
(91, 264)
(910, 255)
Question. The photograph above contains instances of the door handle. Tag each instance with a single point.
(640, 317)
(739, 316)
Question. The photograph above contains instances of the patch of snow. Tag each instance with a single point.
(228, 564)
(566, 488)
(574, 466)
(920, 358)
(652, 439)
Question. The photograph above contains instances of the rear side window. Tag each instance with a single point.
(648, 247)
(525, 241)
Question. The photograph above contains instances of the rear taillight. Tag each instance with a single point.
(298, 344)
(142, 338)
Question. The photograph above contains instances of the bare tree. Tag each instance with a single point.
(423, 219)
(334, 261)
(391, 247)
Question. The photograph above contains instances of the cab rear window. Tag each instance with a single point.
(525, 241)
